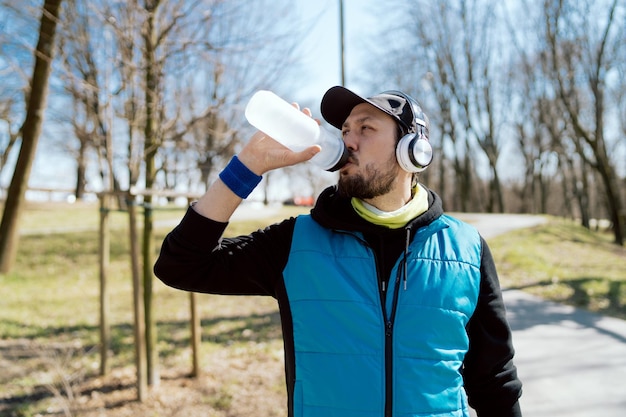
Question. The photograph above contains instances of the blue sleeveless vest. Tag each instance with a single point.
(350, 350)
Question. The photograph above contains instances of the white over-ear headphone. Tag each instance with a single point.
(413, 153)
(413, 150)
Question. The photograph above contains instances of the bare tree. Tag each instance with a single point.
(542, 85)
(30, 132)
(182, 68)
(479, 88)
(582, 47)
(451, 49)
(87, 82)
(535, 117)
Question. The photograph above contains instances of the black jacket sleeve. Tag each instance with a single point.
(491, 381)
(194, 258)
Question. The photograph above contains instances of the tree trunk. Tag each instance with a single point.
(30, 135)
(151, 94)
(141, 360)
(105, 258)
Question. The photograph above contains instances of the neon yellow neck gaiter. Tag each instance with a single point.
(397, 218)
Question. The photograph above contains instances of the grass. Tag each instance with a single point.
(564, 262)
(49, 314)
(46, 217)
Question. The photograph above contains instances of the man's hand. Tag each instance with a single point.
(260, 155)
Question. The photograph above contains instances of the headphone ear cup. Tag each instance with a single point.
(414, 153)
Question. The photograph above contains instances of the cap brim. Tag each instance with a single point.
(337, 104)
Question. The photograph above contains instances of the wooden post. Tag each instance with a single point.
(150, 328)
(138, 304)
(195, 335)
(105, 251)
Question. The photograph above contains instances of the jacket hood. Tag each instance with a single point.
(335, 211)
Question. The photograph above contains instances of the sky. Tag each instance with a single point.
(321, 64)
(323, 43)
(321, 70)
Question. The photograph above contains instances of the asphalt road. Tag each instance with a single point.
(572, 362)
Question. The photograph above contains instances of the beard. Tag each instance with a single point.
(373, 183)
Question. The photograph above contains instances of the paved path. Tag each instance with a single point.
(490, 225)
(572, 362)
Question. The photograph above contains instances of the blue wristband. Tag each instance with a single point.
(239, 178)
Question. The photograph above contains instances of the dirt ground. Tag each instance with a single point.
(180, 395)
(244, 381)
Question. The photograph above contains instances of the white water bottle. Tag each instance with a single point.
(281, 121)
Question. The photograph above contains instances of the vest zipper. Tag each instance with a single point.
(389, 321)
(401, 275)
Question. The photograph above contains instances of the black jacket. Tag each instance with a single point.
(193, 258)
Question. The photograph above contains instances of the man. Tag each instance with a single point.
(389, 307)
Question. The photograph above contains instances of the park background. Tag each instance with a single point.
(144, 107)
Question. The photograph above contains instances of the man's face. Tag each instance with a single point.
(372, 170)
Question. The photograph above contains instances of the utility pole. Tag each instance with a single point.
(342, 45)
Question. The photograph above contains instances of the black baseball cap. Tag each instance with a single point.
(338, 102)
